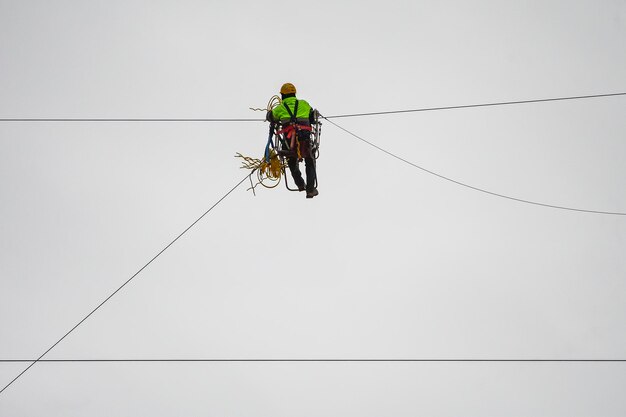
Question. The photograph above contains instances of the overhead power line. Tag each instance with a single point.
(521, 200)
(468, 106)
(96, 119)
(39, 359)
(183, 120)
(182, 360)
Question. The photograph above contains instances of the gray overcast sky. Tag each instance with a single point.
(387, 262)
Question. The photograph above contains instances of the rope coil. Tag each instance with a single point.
(268, 172)
(269, 169)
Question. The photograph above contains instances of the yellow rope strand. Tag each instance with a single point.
(274, 102)
(268, 172)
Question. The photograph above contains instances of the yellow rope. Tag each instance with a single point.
(268, 172)
(274, 102)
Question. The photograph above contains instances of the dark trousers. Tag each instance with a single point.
(309, 161)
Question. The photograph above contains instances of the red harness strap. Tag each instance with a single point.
(289, 129)
(289, 132)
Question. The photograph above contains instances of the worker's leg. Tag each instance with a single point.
(309, 161)
(311, 174)
(295, 172)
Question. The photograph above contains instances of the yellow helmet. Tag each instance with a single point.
(288, 88)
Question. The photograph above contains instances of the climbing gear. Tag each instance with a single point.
(297, 140)
(268, 169)
(293, 129)
(286, 141)
(291, 132)
(268, 173)
(288, 88)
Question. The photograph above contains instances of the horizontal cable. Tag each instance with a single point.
(314, 360)
(467, 106)
(46, 119)
(613, 213)
(464, 106)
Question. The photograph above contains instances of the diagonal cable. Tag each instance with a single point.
(468, 106)
(125, 283)
(521, 200)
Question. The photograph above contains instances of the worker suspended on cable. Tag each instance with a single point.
(295, 118)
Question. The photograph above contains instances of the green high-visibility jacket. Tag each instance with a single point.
(280, 114)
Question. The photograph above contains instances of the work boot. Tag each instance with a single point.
(312, 193)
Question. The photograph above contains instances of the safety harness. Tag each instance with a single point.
(291, 130)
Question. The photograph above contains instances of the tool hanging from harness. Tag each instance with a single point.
(292, 132)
